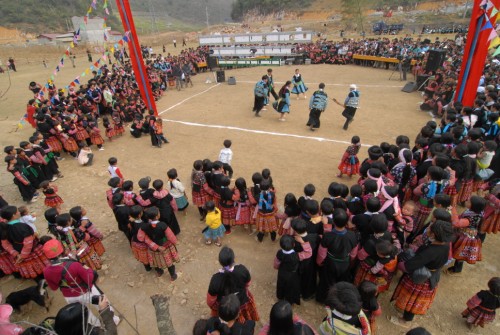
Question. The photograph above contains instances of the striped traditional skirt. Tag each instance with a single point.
(119, 130)
(200, 198)
(465, 190)
(70, 144)
(422, 214)
(491, 224)
(413, 298)
(284, 227)
(228, 214)
(478, 316)
(7, 263)
(248, 311)
(467, 248)
(266, 222)
(383, 282)
(89, 257)
(451, 190)
(96, 138)
(349, 165)
(140, 251)
(54, 143)
(163, 259)
(33, 265)
(110, 132)
(81, 134)
(216, 199)
(243, 214)
(97, 245)
(53, 201)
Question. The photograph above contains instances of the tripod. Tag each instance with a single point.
(398, 68)
(425, 82)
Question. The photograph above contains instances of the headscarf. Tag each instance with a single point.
(379, 180)
(390, 201)
(402, 160)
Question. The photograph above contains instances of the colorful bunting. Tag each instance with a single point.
(487, 25)
(497, 52)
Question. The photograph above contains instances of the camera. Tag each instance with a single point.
(95, 299)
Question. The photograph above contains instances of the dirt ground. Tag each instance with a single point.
(198, 120)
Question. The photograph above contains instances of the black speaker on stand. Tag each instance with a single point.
(221, 76)
(212, 62)
(435, 60)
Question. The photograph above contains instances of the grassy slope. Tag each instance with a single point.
(184, 15)
(43, 16)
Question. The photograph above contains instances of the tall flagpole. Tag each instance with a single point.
(141, 75)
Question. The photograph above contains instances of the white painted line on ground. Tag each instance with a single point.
(346, 85)
(320, 139)
(191, 97)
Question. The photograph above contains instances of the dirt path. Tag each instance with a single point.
(296, 156)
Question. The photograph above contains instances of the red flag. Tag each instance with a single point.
(72, 84)
(474, 57)
(136, 55)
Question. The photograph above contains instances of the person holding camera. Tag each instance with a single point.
(76, 282)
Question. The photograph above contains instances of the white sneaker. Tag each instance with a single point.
(101, 149)
(54, 178)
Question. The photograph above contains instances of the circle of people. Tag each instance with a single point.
(342, 251)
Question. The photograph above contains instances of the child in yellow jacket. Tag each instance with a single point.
(215, 229)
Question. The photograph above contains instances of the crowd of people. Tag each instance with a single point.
(421, 209)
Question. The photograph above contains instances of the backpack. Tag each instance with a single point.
(333, 326)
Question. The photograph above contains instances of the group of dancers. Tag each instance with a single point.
(317, 104)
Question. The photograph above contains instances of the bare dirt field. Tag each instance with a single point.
(198, 119)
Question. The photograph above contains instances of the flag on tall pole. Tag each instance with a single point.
(141, 75)
(476, 49)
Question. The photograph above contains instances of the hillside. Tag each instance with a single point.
(47, 16)
(35, 16)
(154, 16)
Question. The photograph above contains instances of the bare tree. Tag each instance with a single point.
(163, 318)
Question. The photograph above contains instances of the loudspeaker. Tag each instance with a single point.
(409, 87)
(435, 60)
(212, 62)
(221, 76)
(231, 81)
(421, 80)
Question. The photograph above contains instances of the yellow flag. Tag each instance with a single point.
(72, 45)
(494, 42)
